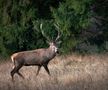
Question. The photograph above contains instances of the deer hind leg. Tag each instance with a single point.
(20, 74)
(12, 73)
(46, 68)
(16, 70)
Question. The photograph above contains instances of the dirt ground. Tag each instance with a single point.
(71, 72)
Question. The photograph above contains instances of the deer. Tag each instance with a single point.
(37, 57)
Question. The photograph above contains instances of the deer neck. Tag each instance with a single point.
(51, 52)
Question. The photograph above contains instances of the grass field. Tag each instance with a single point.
(71, 72)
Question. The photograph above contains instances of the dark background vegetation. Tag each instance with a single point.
(83, 25)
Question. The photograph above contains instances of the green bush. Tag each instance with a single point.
(77, 21)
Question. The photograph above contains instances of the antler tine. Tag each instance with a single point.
(41, 25)
(58, 36)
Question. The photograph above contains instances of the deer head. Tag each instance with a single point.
(53, 44)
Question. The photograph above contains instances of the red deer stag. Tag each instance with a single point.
(39, 57)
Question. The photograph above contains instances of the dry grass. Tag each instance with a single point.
(72, 72)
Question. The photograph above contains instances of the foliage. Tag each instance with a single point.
(78, 21)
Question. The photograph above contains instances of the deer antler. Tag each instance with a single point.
(41, 27)
(58, 36)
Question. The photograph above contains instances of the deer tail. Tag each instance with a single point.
(13, 61)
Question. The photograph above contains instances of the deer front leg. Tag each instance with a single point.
(39, 67)
(46, 68)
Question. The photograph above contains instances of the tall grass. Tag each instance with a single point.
(71, 72)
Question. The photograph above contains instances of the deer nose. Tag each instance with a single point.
(57, 51)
